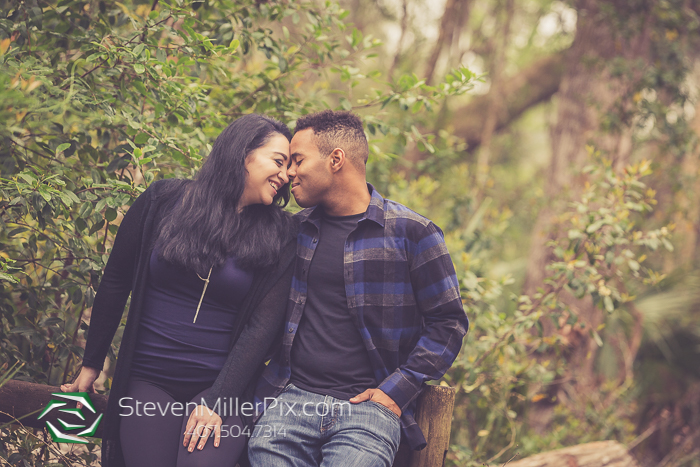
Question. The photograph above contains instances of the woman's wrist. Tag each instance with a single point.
(88, 370)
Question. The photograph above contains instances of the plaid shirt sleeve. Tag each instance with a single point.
(436, 290)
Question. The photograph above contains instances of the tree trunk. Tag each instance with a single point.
(588, 91)
(456, 14)
(599, 454)
(495, 100)
(402, 38)
(689, 200)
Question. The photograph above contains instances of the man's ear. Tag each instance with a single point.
(337, 159)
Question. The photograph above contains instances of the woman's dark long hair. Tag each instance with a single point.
(205, 227)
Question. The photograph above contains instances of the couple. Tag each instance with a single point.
(354, 301)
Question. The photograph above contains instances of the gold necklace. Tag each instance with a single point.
(206, 284)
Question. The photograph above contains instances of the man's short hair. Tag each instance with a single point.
(338, 130)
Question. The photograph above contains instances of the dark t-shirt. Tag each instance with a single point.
(328, 356)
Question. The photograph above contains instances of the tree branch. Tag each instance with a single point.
(536, 84)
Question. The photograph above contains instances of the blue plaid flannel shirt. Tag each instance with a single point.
(403, 294)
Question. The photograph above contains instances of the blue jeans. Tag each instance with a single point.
(304, 429)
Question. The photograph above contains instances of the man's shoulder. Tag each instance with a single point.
(397, 212)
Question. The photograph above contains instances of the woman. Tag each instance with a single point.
(208, 265)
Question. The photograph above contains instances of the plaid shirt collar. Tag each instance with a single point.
(374, 212)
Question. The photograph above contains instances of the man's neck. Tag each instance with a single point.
(351, 199)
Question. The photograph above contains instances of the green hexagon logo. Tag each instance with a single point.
(60, 435)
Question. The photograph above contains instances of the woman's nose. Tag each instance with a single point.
(284, 175)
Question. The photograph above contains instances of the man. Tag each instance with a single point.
(374, 312)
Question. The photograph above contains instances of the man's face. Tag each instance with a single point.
(310, 173)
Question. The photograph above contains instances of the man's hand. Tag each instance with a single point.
(379, 396)
(200, 426)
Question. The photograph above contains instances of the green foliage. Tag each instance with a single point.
(508, 362)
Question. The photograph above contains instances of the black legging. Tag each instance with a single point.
(154, 441)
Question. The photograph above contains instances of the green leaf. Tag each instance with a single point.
(595, 226)
(85, 209)
(93, 57)
(96, 226)
(609, 306)
(27, 178)
(80, 225)
(139, 68)
(140, 87)
(44, 193)
(141, 138)
(14, 232)
(415, 108)
(138, 50)
(668, 245)
(101, 204)
(66, 199)
(113, 164)
(76, 296)
(110, 214)
(8, 278)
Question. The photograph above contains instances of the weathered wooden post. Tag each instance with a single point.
(434, 417)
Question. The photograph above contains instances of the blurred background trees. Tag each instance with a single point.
(556, 144)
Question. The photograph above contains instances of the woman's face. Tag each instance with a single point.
(267, 171)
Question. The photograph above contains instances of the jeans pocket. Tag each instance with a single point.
(387, 411)
(286, 389)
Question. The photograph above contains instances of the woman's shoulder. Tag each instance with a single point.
(167, 186)
(165, 190)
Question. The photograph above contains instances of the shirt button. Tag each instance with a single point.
(315, 240)
(291, 329)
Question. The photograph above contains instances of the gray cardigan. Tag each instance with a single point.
(257, 329)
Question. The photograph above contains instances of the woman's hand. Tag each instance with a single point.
(201, 424)
(83, 383)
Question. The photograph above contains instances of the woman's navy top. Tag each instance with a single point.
(170, 347)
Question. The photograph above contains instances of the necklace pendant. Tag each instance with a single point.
(206, 284)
